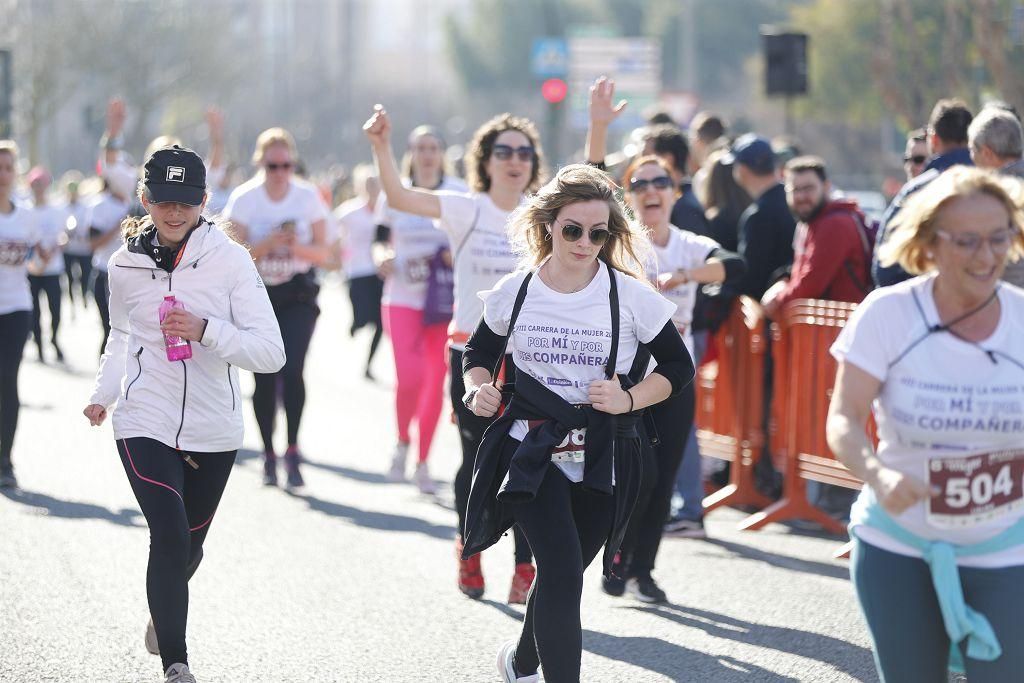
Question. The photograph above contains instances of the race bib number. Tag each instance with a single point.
(417, 269)
(572, 447)
(975, 489)
(277, 267)
(13, 253)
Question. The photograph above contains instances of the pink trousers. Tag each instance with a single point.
(420, 366)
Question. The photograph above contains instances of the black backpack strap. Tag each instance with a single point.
(613, 300)
(520, 298)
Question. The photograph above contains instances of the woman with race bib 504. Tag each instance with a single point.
(939, 558)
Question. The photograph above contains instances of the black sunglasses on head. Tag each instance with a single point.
(505, 152)
(662, 182)
(279, 167)
(572, 233)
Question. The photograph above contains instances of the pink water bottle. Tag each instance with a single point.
(177, 348)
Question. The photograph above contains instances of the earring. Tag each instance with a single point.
(929, 254)
(547, 236)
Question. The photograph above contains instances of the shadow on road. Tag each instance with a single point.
(507, 610)
(67, 509)
(834, 571)
(349, 473)
(847, 657)
(676, 662)
(385, 521)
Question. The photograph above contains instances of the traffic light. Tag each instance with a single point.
(554, 90)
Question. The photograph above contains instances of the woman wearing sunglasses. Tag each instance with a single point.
(939, 527)
(563, 460)
(417, 330)
(283, 221)
(503, 163)
(684, 261)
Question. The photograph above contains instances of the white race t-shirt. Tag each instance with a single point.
(51, 223)
(563, 340)
(943, 403)
(17, 237)
(105, 215)
(684, 250)
(357, 228)
(78, 227)
(479, 243)
(414, 240)
(250, 205)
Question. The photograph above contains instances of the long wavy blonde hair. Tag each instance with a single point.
(627, 247)
(916, 224)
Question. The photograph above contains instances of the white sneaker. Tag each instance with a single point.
(397, 471)
(152, 646)
(178, 673)
(508, 672)
(423, 480)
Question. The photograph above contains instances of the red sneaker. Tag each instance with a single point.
(471, 577)
(522, 580)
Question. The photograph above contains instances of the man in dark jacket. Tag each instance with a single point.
(832, 260)
(766, 227)
(947, 143)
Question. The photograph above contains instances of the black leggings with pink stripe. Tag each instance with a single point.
(179, 502)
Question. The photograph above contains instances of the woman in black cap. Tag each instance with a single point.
(178, 423)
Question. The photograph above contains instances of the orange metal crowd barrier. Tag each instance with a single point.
(804, 375)
(730, 404)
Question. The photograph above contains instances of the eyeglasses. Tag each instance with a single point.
(284, 166)
(572, 233)
(917, 159)
(505, 152)
(970, 243)
(662, 182)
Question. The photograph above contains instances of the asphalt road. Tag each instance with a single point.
(353, 579)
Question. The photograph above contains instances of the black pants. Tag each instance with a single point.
(13, 334)
(49, 285)
(78, 268)
(297, 321)
(179, 503)
(365, 294)
(101, 294)
(672, 418)
(566, 527)
(471, 430)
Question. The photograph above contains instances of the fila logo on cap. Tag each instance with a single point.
(175, 174)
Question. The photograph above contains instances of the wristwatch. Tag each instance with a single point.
(467, 399)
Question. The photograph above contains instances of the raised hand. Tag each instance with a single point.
(115, 117)
(602, 95)
(378, 127)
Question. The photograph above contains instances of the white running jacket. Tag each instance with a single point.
(194, 404)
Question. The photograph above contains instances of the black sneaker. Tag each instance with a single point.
(616, 585)
(685, 528)
(8, 480)
(269, 469)
(646, 590)
(60, 353)
(292, 458)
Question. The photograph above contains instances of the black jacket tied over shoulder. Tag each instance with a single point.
(612, 444)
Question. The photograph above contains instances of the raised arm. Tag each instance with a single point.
(111, 142)
(602, 114)
(401, 198)
(215, 127)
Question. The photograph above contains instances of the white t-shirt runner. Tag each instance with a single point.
(357, 229)
(949, 413)
(18, 235)
(107, 214)
(51, 222)
(684, 250)
(415, 240)
(476, 229)
(563, 340)
(250, 205)
(78, 227)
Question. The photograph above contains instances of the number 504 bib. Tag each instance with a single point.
(975, 489)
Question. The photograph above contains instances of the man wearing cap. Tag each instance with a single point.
(766, 227)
